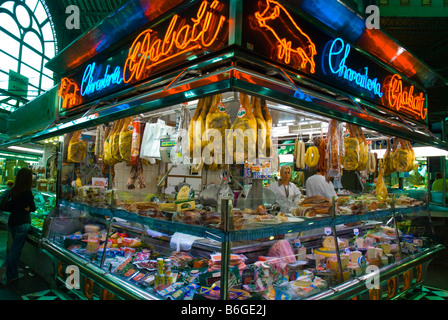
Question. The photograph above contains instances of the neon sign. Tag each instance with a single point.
(89, 85)
(69, 92)
(337, 57)
(292, 42)
(400, 97)
(148, 50)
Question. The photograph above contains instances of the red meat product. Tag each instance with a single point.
(136, 138)
(282, 249)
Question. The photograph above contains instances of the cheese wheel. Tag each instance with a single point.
(312, 156)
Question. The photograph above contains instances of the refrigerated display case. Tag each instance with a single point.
(115, 224)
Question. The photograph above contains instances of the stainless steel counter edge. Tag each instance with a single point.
(116, 285)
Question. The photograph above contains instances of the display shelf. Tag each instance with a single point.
(244, 234)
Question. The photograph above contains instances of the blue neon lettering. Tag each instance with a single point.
(89, 85)
(339, 51)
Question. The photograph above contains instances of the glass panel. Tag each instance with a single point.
(47, 32)
(47, 83)
(8, 5)
(9, 45)
(9, 24)
(33, 40)
(40, 13)
(4, 78)
(49, 50)
(8, 63)
(23, 17)
(31, 3)
(31, 58)
(32, 75)
(416, 231)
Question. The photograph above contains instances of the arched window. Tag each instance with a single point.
(27, 42)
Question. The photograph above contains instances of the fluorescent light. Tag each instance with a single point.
(26, 149)
(286, 158)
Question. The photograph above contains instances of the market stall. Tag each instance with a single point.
(171, 138)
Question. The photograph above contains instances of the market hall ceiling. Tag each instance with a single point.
(425, 37)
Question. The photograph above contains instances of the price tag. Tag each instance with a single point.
(347, 250)
(356, 231)
(327, 231)
(297, 243)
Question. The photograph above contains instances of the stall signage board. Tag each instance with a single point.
(277, 33)
(201, 29)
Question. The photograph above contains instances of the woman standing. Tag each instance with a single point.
(19, 223)
(286, 192)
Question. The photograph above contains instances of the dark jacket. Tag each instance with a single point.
(18, 214)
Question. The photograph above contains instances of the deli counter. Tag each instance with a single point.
(160, 230)
(157, 201)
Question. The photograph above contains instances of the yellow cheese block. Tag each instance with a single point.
(354, 255)
(329, 243)
(169, 206)
(326, 252)
(386, 247)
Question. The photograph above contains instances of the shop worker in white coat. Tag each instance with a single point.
(285, 191)
(317, 184)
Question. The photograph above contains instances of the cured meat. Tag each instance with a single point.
(202, 117)
(299, 154)
(218, 119)
(334, 147)
(136, 141)
(115, 142)
(363, 151)
(191, 126)
(261, 127)
(351, 146)
(77, 149)
(268, 120)
(371, 164)
(136, 174)
(282, 249)
(244, 130)
(403, 158)
(392, 163)
(381, 190)
(387, 159)
(125, 139)
(411, 155)
(107, 155)
(322, 163)
(197, 128)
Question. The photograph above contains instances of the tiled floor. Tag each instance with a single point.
(426, 293)
(32, 287)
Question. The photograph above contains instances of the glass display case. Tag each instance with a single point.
(273, 258)
(139, 231)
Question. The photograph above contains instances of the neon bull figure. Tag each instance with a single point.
(293, 43)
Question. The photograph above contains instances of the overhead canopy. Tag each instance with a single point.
(267, 49)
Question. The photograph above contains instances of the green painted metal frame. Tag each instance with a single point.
(233, 72)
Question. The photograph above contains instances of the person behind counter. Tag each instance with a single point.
(317, 184)
(438, 183)
(286, 192)
(19, 222)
